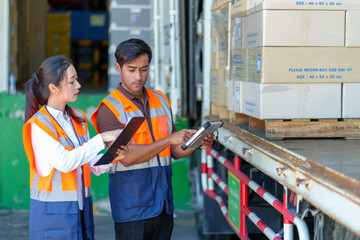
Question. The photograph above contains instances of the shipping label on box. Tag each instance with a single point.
(257, 5)
(230, 95)
(352, 29)
(238, 65)
(214, 86)
(294, 28)
(223, 53)
(291, 101)
(236, 33)
(240, 7)
(237, 106)
(303, 65)
(351, 100)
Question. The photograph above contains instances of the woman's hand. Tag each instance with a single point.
(110, 136)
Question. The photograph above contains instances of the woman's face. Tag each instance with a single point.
(69, 86)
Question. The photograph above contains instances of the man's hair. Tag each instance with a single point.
(127, 51)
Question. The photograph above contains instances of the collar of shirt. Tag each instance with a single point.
(131, 96)
(57, 114)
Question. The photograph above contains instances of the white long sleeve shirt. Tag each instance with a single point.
(50, 153)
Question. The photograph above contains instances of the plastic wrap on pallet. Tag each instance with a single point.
(221, 20)
(237, 64)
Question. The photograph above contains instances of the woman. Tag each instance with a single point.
(60, 153)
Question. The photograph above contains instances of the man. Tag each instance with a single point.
(140, 185)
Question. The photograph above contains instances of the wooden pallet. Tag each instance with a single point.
(312, 128)
(293, 128)
(221, 111)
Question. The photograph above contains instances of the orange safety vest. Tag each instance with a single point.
(58, 190)
(139, 191)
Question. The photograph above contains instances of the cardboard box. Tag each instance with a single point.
(352, 29)
(214, 54)
(214, 86)
(257, 5)
(218, 87)
(238, 65)
(237, 92)
(291, 101)
(215, 5)
(230, 95)
(221, 17)
(294, 28)
(351, 100)
(239, 8)
(223, 78)
(59, 17)
(58, 40)
(303, 65)
(236, 33)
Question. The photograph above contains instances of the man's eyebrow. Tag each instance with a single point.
(146, 66)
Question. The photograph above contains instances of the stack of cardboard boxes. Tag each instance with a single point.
(294, 59)
(221, 18)
(58, 39)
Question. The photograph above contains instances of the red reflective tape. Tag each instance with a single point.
(278, 205)
(246, 179)
(218, 181)
(246, 210)
(237, 163)
(261, 225)
(226, 190)
(218, 155)
(222, 204)
(245, 238)
(277, 238)
(203, 168)
(261, 191)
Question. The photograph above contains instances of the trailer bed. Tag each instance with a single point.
(324, 172)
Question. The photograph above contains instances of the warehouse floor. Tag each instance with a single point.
(14, 225)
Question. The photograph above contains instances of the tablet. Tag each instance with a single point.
(124, 137)
(206, 129)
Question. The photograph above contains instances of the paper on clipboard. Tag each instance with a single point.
(206, 129)
(124, 137)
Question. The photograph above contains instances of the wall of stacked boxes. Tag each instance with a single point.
(275, 59)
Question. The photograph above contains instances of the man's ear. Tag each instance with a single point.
(118, 68)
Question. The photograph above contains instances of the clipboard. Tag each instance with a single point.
(206, 129)
(125, 136)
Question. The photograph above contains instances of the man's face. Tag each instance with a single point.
(134, 74)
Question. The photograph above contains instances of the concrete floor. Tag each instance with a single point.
(14, 225)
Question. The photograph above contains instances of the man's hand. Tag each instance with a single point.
(121, 153)
(181, 137)
(207, 142)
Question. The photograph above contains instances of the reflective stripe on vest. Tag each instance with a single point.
(57, 186)
(160, 114)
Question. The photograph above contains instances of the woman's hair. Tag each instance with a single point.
(52, 71)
